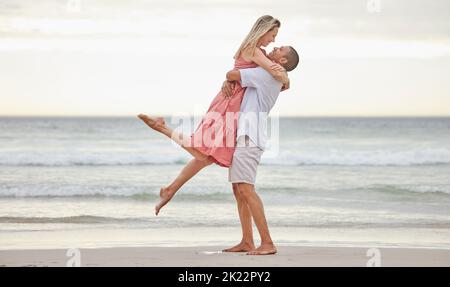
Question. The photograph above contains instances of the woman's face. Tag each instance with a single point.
(269, 37)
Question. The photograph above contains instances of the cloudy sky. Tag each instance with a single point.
(93, 57)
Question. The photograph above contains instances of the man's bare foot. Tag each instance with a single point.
(264, 249)
(241, 247)
(165, 196)
(156, 123)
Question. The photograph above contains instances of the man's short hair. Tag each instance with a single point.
(292, 59)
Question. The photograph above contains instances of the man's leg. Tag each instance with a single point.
(159, 125)
(191, 169)
(247, 243)
(257, 210)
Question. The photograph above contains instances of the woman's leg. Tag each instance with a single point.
(191, 169)
(159, 125)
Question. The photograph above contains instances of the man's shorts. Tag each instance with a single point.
(245, 161)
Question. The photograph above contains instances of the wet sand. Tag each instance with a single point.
(212, 256)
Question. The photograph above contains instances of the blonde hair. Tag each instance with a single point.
(263, 25)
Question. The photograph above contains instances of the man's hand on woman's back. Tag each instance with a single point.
(227, 88)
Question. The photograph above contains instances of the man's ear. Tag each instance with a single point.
(283, 61)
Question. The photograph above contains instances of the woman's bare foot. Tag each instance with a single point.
(264, 249)
(165, 196)
(156, 123)
(241, 247)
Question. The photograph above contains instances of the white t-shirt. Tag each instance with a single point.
(259, 98)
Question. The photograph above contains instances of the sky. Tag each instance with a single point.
(122, 58)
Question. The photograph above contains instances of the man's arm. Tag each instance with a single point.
(228, 86)
(234, 75)
(249, 77)
(252, 77)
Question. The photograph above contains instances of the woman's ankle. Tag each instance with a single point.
(170, 189)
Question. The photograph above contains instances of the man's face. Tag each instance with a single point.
(279, 53)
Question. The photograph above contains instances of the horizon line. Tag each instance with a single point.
(281, 116)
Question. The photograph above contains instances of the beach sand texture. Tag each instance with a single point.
(210, 256)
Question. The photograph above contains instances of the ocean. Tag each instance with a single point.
(91, 182)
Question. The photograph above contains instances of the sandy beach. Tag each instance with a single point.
(210, 256)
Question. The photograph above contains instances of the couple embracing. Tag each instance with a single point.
(247, 96)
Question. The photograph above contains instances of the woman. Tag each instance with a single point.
(217, 148)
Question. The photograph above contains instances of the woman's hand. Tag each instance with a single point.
(286, 86)
(279, 73)
(281, 77)
(227, 89)
(277, 67)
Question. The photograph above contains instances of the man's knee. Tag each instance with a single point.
(235, 187)
(245, 189)
(236, 191)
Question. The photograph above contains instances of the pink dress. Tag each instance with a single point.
(216, 134)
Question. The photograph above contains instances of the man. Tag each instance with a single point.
(260, 96)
